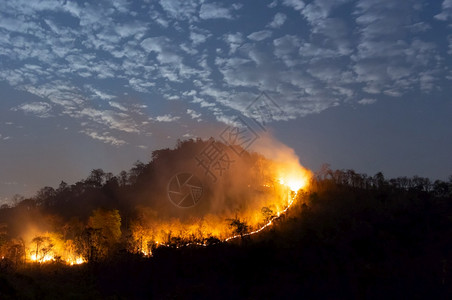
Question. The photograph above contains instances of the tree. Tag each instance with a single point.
(16, 251)
(136, 171)
(239, 227)
(43, 247)
(379, 180)
(38, 241)
(62, 187)
(17, 199)
(89, 244)
(108, 223)
(123, 178)
(267, 214)
(441, 189)
(324, 172)
(45, 196)
(96, 178)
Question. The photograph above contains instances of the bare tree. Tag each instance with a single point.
(239, 227)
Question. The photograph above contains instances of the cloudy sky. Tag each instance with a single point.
(362, 84)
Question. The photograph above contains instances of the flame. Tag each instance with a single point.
(294, 177)
(277, 186)
(53, 248)
(293, 183)
(77, 261)
(42, 259)
(51, 257)
(279, 194)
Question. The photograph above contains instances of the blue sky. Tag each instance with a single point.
(361, 84)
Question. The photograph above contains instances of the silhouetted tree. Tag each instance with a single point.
(43, 246)
(109, 224)
(96, 178)
(239, 227)
(123, 178)
(267, 214)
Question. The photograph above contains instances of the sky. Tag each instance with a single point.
(358, 84)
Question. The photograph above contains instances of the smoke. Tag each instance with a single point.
(241, 186)
(288, 168)
(188, 193)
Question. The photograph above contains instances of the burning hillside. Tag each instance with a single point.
(200, 193)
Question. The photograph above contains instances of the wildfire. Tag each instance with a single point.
(294, 184)
(51, 258)
(77, 261)
(294, 177)
(273, 198)
(42, 259)
(51, 247)
(269, 190)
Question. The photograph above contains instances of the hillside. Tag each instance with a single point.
(347, 236)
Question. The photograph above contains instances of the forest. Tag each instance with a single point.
(346, 235)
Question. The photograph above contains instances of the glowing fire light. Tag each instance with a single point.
(277, 199)
(78, 260)
(49, 258)
(294, 184)
(42, 259)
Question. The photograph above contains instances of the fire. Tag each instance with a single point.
(277, 197)
(51, 258)
(294, 177)
(273, 191)
(294, 183)
(77, 261)
(49, 247)
(263, 193)
(42, 259)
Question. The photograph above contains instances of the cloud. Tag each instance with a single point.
(214, 11)
(104, 137)
(295, 4)
(117, 105)
(131, 29)
(162, 46)
(188, 136)
(198, 36)
(446, 12)
(111, 119)
(286, 48)
(278, 20)
(193, 114)
(260, 35)
(180, 9)
(99, 94)
(78, 58)
(386, 63)
(166, 118)
(40, 109)
(234, 41)
(449, 38)
(367, 101)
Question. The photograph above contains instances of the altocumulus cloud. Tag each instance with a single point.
(40, 109)
(84, 59)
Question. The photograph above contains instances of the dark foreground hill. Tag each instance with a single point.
(350, 237)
